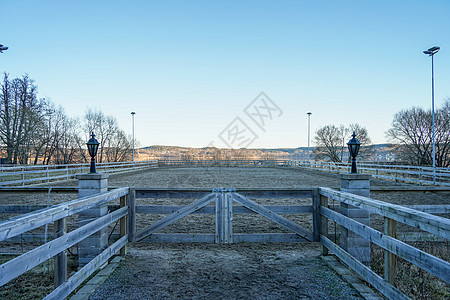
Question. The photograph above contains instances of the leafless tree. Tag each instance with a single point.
(412, 133)
(331, 142)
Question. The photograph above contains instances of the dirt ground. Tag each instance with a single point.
(241, 270)
(217, 271)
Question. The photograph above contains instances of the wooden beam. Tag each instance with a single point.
(428, 262)
(316, 215)
(29, 260)
(366, 273)
(79, 277)
(427, 222)
(123, 223)
(15, 226)
(132, 216)
(390, 260)
(323, 223)
(175, 216)
(177, 193)
(272, 216)
(169, 209)
(60, 261)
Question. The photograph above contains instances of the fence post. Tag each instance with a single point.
(60, 260)
(47, 174)
(23, 176)
(316, 214)
(88, 185)
(324, 223)
(354, 244)
(219, 219)
(131, 215)
(390, 259)
(123, 224)
(228, 217)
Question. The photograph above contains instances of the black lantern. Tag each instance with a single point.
(353, 147)
(92, 145)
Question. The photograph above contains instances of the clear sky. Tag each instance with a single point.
(189, 68)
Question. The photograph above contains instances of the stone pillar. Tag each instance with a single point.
(88, 185)
(354, 244)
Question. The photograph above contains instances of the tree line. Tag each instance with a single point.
(37, 131)
(411, 135)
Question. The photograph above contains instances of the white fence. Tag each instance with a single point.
(33, 174)
(413, 174)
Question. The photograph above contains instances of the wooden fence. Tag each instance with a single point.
(223, 204)
(32, 174)
(387, 240)
(63, 240)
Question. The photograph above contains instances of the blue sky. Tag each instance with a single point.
(189, 68)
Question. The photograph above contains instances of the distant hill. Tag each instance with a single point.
(382, 152)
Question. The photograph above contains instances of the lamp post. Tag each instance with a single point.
(92, 145)
(309, 127)
(132, 125)
(3, 48)
(431, 52)
(353, 147)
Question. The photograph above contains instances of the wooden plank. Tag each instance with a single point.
(175, 216)
(323, 223)
(227, 215)
(431, 209)
(390, 260)
(123, 224)
(219, 218)
(179, 238)
(177, 193)
(132, 215)
(79, 277)
(39, 189)
(272, 216)
(387, 289)
(427, 222)
(60, 261)
(29, 260)
(428, 262)
(15, 226)
(419, 237)
(268, 238)
(316, 215)
(169, 209)
(391, 189)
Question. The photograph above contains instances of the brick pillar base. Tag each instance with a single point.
(88, 185)
(358, 184)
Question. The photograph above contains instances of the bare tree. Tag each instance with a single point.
(20, 111)
(412, 133)
(331, 142)
(328, 141)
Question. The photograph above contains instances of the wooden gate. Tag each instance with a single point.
(224, 210)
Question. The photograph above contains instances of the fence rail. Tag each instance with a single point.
(393, 247)
(63, 240)
(413, 174)
(44, 173)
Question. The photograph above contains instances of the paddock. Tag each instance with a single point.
(241, 179)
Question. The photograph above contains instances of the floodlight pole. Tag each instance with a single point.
(132, 125)
(431, 52)
(309, 129)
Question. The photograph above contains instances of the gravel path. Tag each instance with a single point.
(213, 271)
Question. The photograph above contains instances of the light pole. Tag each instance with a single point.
(3, 48)
(132, 125)
(309, 128)
(431, 52)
